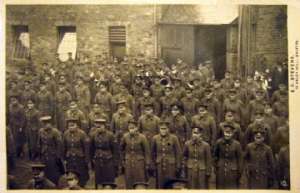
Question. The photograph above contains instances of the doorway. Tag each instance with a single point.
(210, 44)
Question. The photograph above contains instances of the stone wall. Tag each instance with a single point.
(91, 21)
(270, 40)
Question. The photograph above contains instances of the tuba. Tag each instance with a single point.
(165, 81)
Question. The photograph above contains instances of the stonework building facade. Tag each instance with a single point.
(238, 38)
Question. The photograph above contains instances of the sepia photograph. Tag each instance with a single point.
(147, 96)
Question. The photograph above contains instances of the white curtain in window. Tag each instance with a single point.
(67, 44)
(24, 39)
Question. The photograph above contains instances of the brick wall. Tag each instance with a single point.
(270, 41)
(91, 21)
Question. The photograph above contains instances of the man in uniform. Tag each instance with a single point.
(198, 91)
(213, 105)
(27, 92)
(166, 101)
(103, 153)
(135, 154)
(227, 82)
(197, 161)
(281, 108)
(145, 99)
(70, 62)
(284, 167)
(115, 86)
(62, 101)
(166, 155)
(240, 90)
(32, 128)
(16, 122)
(10, 151)
(189, 103)
(178, 124)
(148, 122)
(279, 93)
(120, 120)
(82, 95)
(232, 103)
(178, 91)
(258, 123)
(104, 99)
(76, 150)
(75, 113)
(156, 87)
(45, 100)
(123, 95)
(96, 113)
(259, 163)
(280, 138)
(257, 104)
(49, 144)
(271, 119)
(219, 92)
(204, 120)
(228, 160)
(39, 181)
(230, 120)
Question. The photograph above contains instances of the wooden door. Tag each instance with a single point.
(177, 41)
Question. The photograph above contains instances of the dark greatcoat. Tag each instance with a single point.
(32, 129)
(76, 152)
(103, 153)
(197, 163)
(228, 160)
(149, 125)
(166, 154)
(50, 148)
(16, 122)
(135, 153)
(259, 163)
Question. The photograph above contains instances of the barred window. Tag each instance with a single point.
(117, 34)
(67, 42)
(21, 48)
(117, 41)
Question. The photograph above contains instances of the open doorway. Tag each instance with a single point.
(210, 44)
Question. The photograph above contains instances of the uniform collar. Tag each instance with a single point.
(256, 145)
(227, 141)
(196, 142)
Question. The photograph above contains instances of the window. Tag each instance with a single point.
(67, 42)
(117, 41)
(21, 48)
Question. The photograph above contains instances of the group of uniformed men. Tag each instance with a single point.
(143, 118)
